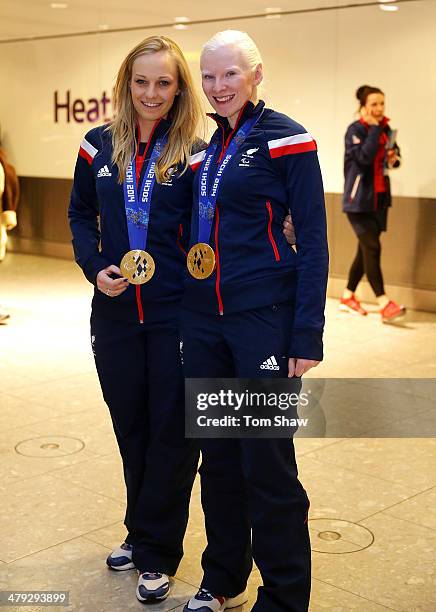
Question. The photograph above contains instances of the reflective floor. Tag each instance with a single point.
(373, 501)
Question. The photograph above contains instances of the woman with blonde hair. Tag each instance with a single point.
(130, 205)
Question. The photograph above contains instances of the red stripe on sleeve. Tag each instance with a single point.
(85, 155)
(301, 147)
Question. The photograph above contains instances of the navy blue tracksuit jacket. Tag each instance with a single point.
(361, 144)
(275, 171)
(97, 194)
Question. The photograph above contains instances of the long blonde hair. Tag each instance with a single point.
(184, 114)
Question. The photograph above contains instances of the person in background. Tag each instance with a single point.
(254, 308)
(370, 151)
(9, 197)
(134, 177)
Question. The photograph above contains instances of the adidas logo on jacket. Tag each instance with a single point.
(104, 171)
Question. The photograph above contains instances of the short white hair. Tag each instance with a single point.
(239, 39)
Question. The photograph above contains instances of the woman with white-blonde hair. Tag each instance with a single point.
(129, 213)
(254, 308)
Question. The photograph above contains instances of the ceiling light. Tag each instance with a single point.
(388, 7)
(273, 12)
(180, 23)
(103, 26)
(58, 5)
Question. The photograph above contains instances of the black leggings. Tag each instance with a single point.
(367, 261)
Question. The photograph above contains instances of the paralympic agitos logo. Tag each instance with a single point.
(69, 109)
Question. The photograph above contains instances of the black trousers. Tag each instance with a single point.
(368, 226)
(367, 258)
(140, 372)
(254, 505)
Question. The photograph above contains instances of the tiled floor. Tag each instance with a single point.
(62, 493)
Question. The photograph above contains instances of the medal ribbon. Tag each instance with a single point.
(207, 198)
(138, 210)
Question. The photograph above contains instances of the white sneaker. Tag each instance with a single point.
(204, 601)
(120, 558)
(152, 586)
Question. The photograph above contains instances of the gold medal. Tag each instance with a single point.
(137, 266)
(201, 260)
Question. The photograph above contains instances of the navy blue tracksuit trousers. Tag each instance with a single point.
(253, 502)
(140, 372)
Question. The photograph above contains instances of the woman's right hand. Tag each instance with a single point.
(367, 117)
(113, 287)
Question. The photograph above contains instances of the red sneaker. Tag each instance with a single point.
(352, 305)
(392, 312)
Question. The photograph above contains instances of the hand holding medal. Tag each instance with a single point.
(112, 287)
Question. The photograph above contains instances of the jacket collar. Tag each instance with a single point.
(160, 128)
(247, 111)
(163, 127)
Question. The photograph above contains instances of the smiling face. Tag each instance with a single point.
(228, 81)
(153, 86)
(375, 105)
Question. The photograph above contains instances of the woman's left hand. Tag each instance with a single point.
(289, 230)
(298, 367)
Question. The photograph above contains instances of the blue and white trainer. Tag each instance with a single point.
(152, 586)
(121, 558)
(204, 601)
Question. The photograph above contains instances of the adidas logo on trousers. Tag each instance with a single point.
(270, 364)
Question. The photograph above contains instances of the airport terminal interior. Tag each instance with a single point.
(372, 518)
(61, 476)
